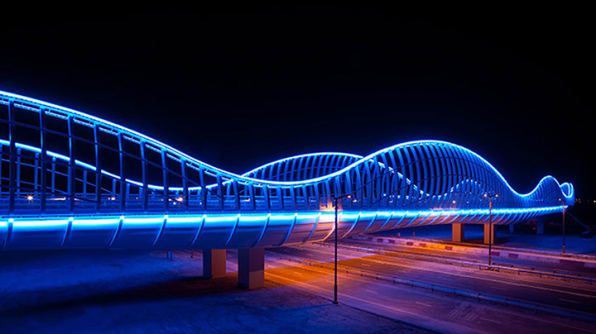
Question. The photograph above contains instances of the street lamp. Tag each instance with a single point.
(564, 241)
(336, 238)
(336, 231)
(490, 197)
(335, 260)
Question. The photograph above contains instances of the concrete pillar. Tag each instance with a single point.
(214, 263)
(251, 268)
(539, 227)
(511, 228)
(488, 233)
(457, 232)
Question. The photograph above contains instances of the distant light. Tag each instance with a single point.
(453, 202)
(180, 199)
(30, 197)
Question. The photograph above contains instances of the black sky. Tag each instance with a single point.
(240, 87)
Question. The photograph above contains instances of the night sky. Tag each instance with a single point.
(238, 87)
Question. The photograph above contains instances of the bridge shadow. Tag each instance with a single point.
(110, 279)
(54, 299)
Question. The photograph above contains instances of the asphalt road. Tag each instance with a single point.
(147, 292)
(310, 268)
(473, 256)
(125, 291)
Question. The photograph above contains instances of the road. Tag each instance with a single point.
(436, 295)
(383, 288)
(478, 254)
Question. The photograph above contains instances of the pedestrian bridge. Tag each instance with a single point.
(72, 180)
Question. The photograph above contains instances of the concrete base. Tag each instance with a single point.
(489, 234)
(457, 232)
(214, 263)
(251, 268)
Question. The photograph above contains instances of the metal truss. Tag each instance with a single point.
(93, 183)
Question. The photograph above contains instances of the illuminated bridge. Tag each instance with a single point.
(72, 180)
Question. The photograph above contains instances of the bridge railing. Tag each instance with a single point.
(54, 159)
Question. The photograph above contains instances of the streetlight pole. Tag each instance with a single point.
(336, 237)
(335, 261)
(564, 241)
(490, 197)
(490, 231)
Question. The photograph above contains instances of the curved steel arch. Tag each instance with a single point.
(69, 179)
(303, 167)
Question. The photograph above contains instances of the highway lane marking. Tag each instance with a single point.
(393, 311)
(579, 294)
(538, 303)
(358, 278)
(393, 263)
(524, 285)
(318, 289)
(322, 292)
(372, 291)
(491, 320)
(407, 252)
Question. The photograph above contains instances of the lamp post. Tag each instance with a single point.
(336, 238)
(335, 261)
(490, 197)
(336, 198)
(490, 231)
(564, 241)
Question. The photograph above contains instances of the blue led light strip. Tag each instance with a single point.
(100, 221)
(132, 181)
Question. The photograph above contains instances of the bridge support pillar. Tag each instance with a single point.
(251, 268)
(511, 228)
(489, 234)
(539, 227)
(457, 232)
(214, 263)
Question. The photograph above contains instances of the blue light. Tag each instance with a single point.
(418, 182)
(93, 120)
(217, 218)
(95, 222)
(40, 224)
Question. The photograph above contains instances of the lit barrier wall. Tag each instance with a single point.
(69, 179)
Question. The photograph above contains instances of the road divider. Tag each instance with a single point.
(572, 260)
